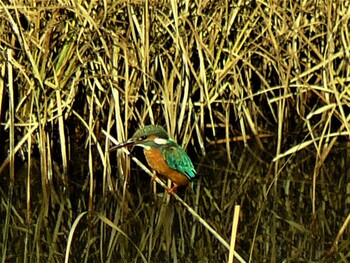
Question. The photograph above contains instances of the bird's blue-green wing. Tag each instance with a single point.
(178, 160)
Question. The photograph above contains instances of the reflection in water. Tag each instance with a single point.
(276, 219)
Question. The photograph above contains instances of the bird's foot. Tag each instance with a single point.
(172, 189)
(154, 177)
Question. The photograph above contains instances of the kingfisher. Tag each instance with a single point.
(163, 155)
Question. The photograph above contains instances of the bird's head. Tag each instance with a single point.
(147, 137)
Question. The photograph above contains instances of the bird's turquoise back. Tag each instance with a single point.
(178, 160)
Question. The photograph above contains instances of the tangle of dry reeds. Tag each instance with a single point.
(256, 92)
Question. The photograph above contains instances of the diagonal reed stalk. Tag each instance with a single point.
(179, 199)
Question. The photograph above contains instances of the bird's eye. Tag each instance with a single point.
(142, 138)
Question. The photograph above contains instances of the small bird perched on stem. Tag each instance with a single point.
(163, 155)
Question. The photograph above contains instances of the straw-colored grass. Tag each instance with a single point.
(256, 92)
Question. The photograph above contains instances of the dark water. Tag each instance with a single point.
(285, 215)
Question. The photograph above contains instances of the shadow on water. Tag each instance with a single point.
(276, 221)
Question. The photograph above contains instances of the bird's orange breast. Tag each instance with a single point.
(156, 161)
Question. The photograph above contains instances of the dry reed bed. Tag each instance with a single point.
(272, 74)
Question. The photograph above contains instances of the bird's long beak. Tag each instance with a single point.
(121, 145)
